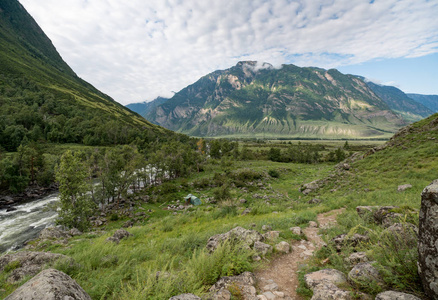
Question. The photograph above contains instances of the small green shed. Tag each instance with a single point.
(190, 199)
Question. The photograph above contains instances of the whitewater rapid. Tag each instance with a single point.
(25, 223)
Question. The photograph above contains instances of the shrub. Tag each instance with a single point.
(274, 173)
(222, 193)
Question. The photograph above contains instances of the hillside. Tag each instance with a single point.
(401, 103)
(143, 108)
(257, 100)
(167, 254)
(430, 101)
(41, 98)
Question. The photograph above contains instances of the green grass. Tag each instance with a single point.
(174, 244)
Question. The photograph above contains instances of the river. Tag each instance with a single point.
(25, 223)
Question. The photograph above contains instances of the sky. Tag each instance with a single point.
(138, 50)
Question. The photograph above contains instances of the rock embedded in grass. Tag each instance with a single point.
(50, 284)
(262, 248)
(27, 263)
(245, 236)
(296, 230)
(325, 276)
(282, 247)
(356, 258)
(185, 297)
(404, 187)
(119, 235)
(364, 273)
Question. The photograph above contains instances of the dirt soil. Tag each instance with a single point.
(283, 270)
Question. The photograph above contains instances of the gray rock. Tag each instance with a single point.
(323, 277)
(343, 240)
(314, 201)
(269, 295)
(222, 294)
(404, 233)
(392, 295)
(296, 230)
(270, 287)
(185, 297)
(271, 235)
(51, 233)
(239, 234)
(30, 263)
(345, 166)
(404, 187)
(282, 247)
(119, 235)
(364, 273)
(262, 248)
(310, 187)
(356, 258)
(365, 210)
(382, 213)
(50, 284)
(329, 291)
(245, 282)
(266, 227)
(313, 224)
(246, 211)
(428, 240)
(75, 232)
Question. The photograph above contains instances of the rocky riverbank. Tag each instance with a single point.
(32, 193)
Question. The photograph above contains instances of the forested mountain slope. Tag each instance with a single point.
(41, 98)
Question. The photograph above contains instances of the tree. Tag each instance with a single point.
(76, 205)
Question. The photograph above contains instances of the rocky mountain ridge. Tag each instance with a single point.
(254, 99)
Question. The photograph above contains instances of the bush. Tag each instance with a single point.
(222, 193)
(274, 173)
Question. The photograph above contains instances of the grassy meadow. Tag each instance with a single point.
(166, 255)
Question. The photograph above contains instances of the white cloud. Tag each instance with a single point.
(137, 50)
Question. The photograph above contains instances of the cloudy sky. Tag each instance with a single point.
(137, 50)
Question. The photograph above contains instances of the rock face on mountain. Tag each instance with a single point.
(253, 99)
(428, 240)
(50, 284)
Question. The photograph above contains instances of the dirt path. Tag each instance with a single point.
(283, 270)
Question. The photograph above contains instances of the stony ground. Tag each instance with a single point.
(280, 276)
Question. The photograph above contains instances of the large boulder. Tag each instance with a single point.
(428, 240)
(27, 263)
(392, 295)
(50, 284)
(237, 234)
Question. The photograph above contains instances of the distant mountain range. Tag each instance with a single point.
(143, 108)
(255, 99)
(430, 101)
